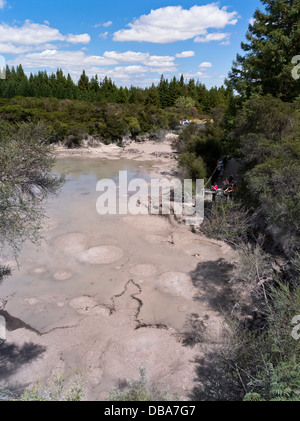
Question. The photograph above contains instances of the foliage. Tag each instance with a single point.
(257, 362)
(273, 40)
(284, 384)
(72, 121)
(70, 388)
(227, 221)
(258, 359)
(200, 148)
(98, 108)
(270, 154)
(192, 166)
(57, 85)
(139, 390)
(5, 271)
(26, 180)
(185, 103)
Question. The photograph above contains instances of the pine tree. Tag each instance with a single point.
(122, 96)
(174, 91)
(192, 92)
(163, 92)
(273, 41)
(20, 75)
(95, 84)
(83, 83)
(108, 89)
(152, 98)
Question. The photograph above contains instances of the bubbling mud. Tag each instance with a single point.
(101, 255)
(62, 275)
(143, 270)
(72, 244)
(177, 284)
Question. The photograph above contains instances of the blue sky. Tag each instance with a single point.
(131, 42)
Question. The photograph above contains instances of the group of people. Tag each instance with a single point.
(229, 185)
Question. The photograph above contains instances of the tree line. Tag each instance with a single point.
(166, 94)
(98, 108)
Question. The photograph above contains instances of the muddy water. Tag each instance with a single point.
(85, 254)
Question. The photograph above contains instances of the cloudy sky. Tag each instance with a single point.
(133, 42)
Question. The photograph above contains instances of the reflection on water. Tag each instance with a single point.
(84, 253)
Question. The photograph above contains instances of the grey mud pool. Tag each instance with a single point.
(128, 287)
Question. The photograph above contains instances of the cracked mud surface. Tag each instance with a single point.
(107, 295)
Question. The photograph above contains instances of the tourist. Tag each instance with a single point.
(226, 184)
(228, 192)
(214, 189)
(220, 167)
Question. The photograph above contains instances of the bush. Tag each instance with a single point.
(139, 390)
(268, 130)
(192, 167)
(71, 388)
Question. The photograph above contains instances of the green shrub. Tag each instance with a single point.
(71, 388)
(139, 390)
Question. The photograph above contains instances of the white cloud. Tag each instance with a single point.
(251, 21)
(185, 54)
(110, 64)
(127, 57)
(173, 23)
(205, 65)
(163, 70)
(161, 61)
(17, 39)
(52, 59)
(225, 42)
(103, 35)
(2, 4)
(107, 24)
(29, 34)
(217, 36)
(137, 57)
(130, 69)
(9, 48)
(78, 39)
(196, 75)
